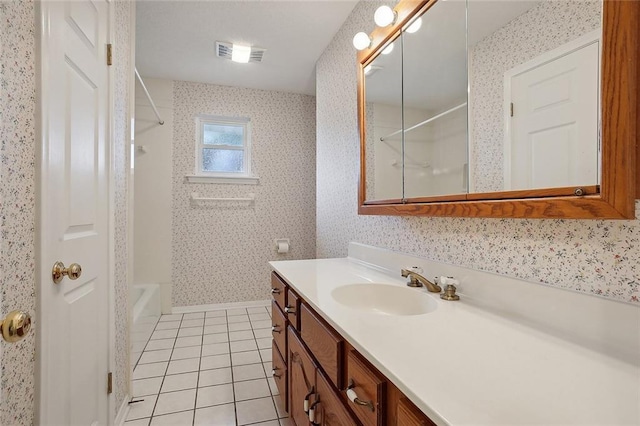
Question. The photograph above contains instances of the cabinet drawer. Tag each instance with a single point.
(279, 373)
(302, 379)
(329, 410)
(279, 327)
(325, 344)
(369, 387)
(278, 290)
(292, 308)
(409, 415)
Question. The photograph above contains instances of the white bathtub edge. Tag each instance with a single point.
(220, 306)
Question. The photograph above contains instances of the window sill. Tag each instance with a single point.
(236, 180)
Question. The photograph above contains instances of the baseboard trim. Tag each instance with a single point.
(122, 412)
(219, 306)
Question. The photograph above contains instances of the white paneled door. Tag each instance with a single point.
(73, 344)
(553, 119)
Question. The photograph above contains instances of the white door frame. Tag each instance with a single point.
(564, 50)
(43, 277)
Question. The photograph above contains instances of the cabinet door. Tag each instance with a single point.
(329, 409)
(409, 415)
(302, 379)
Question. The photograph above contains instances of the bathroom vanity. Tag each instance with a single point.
(352, 344)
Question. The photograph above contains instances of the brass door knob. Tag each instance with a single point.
(15, 326)
(59, 271)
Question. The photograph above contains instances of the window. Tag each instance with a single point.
(223, 147)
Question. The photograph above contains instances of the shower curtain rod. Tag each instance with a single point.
(153, 105)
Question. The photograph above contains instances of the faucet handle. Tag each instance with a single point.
(449, 292)
(416, 269)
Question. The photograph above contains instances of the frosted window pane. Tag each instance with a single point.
(222, 160)
(218, 134)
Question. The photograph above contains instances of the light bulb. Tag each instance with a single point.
(240, 53)
(388, 49)
(384, 16)
(361, 41)
(415, 26)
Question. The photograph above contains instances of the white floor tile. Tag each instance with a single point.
(266, 355)
(261, 324)
(262, 333)
(178, 382)
(286, 421)
(215, 349)
(240, 335)
(256, 410)
(183, 366)
(219, 415)
(173, 317)
(257, 310)
(191, 331)
(269, 423)
(238, 318)
(238, 326)
(272, 386)
(144, 387)
(145, 371)
(215, 321)
(142, 409)
(194, 315)
(248, 372)
(168, 325)
(220, 313)
(184, 353)
(215, 338)
(212, 329)
(241, 358)
(155, 345)
(251, 389)
(214, 395)
(244, 345)
(268, 368)
(183, 418)
(219, 376)
(235, 312)
(164, 334)
(139, 422)
(192, 323)
(259, 317)
(149, 357)
(279, 406)
(264, 342)
(182, 342)
(215, 361)
(173, 402)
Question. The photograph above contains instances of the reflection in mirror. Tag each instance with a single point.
(534, 76)
(383, 109)
(435, 101)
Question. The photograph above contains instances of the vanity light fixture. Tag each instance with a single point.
(384, 16)
(361, 41)
(369, 70)
(415, 26)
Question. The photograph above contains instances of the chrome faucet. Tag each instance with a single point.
(417, 280)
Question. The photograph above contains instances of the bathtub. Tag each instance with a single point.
(146, 312)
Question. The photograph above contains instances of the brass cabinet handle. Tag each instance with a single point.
(58, 272)
(15, 326)
(289, 310)
(275, 329)
(275, 291)
(353, 397)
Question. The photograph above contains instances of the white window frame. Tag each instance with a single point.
(202, 176)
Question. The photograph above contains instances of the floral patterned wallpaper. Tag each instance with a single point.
(593, 257)
(220, 251)
(541, 29)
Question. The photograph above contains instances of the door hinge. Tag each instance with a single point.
(109, 54)
(511, 109)
(109, 383)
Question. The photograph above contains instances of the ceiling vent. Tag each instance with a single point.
(224, 50)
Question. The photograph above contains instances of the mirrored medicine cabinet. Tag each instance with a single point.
(482, 108)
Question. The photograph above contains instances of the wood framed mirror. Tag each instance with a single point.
(605, 191)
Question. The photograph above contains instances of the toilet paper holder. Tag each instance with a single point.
(282, 245)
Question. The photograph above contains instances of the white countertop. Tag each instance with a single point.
(464, 365)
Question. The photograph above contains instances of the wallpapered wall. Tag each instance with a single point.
(595, 257)
(220, 251)
(17, 195)
(17, 204)
(541, 29)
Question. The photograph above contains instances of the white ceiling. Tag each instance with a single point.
(176, 40)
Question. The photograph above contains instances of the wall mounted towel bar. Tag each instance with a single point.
(251, 197)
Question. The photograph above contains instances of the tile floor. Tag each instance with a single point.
(208, 368)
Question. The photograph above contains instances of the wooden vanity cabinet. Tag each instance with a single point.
(314, 366)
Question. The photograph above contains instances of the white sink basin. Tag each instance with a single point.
(385, 299)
